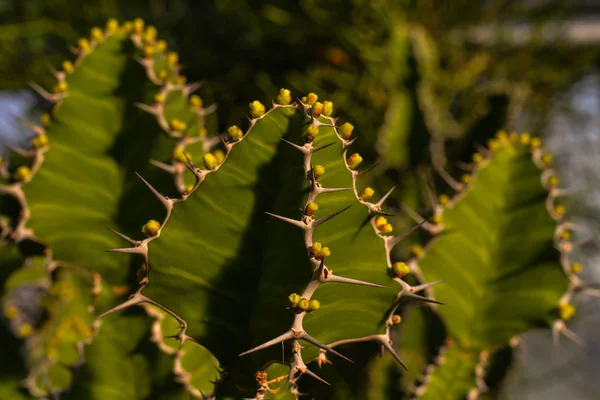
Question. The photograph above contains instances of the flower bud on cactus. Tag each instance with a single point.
(151, 228)
(396, 319)
(172, 58)
(283, 97)
(493, 144)
(196, 101)
(501, 135)
(180, 155)
(148, 51)
(310, 99)
(560, 209)
(400, 269)
(546, 159)
(39, 141)
(138, 25)
(387, 229)
(163, 74)
(24, 330)
(354, 161)
(61, 87)
(210, 161)
(575, 268)
(22, 173)
(536, 143)
(311, 208)
(380, 221)
(477, 158)
(159, 98)
(177, 125)
(417, 251)
(327, 108)
(11, 312)
(444, 199)
(553, 181)
(160, 46)
(67, 66)
(366, 194)
(182, 80)
(436, 219)
(189, 187)
(219, 155)
(566, 311)
(97, 34)
(513, 137)
(317, 109)
(311, 133)
(525, 139)
(257, 109)
(318, 170)
(149, 34)
(466, 178)
(83, 45)
(45, 119)
(302, 305)
(112, 25)
(235, 133)
(294, 298)
(313, 305)
(127, 27)
(346, 130)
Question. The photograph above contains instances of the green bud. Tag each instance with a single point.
(553, 181)
(83, 45)
(219, 155)
(477, 158)
(400, 269)
(443, 199)
(257, 109)
(67, 66)
(466, 178)
(177, 125)
(172, 58)
(112, 25)
(196, 101)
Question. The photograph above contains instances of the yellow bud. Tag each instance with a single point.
(83, 45)
(163, 74)
(302, 305)
(11, 312)
(219, 155)
(565, 235)
(24, 330)
(160, 46)
(311, 208)
(366, 194)
(477, 158)
(501, 135)
(318, 170)
(67, 66)
(317, 109)
(39, 141)
(546, 159)
(396, 319)
(560, 209)
(536, 143)
(575, 268)
(202, 132)
(316, 248)
(553, 181)
(400, 269)
(97, 34)
(151, 228)
(179, 155)
(444, 199)
(294, 299)
(513, 137)
(380, 221)
(492, 144)
(386, 229)
(22, 173)
(138, 25)
(148, 51)
(327, 108)
(210, 162)
(127, 26)
(311, 99)
(61, 87)
(149, 34)
(566, 311)
(182, 80)
(257, 109)
(159, 98)
(112, 25)
(189, 187)
(311, 133)
(417, 251)
(354, 161)
(235, 133)
(325, 252)
(172, 58)
(196, 101)
(177, 125)
(436, 219)
(466, 178)
(346, 130)
(525, 139)
(46, 120)
(313, 305)
(283, 97)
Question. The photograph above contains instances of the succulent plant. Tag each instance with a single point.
(259, 261)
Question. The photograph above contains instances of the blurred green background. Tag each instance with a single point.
(420, 80)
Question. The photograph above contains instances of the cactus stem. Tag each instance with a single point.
(321, 221)
(51, 97)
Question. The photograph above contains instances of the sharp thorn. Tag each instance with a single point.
(422, 298)
(294, 145)
(321, 221)
(315, 149)
(385, 196)
(165, 167)
(350, 281)
(146, 107)
(131, 302)
(294, 222)
(152, 189)
(331, 190)
(317, 377)
(281, 338)
(426, 285)
(312, 340)
(124, 237)
(395, 240)
(128, 250)
(192, 87)
(372, 167)
(385, 343)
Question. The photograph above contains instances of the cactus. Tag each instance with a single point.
(234, 237)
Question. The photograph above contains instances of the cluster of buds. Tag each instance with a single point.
(96, 34)
(301, 304)
(318, 251)
(257, 109)
(383, 226)
(181, 156)
(400, 269)
(151, 228)
(235, 133)
(310, 99)
(284, 97)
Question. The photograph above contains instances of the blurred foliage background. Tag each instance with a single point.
(421, 80)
